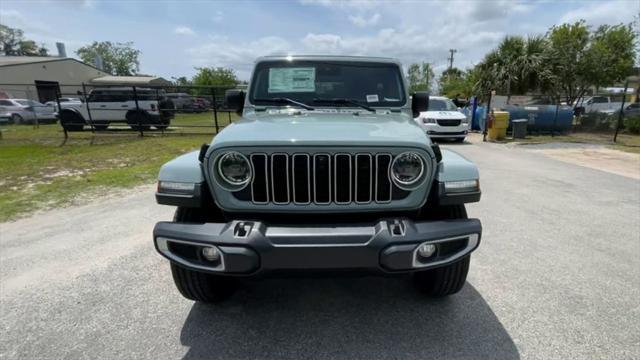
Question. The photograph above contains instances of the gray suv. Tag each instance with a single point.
(326, 172)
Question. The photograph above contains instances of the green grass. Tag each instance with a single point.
(625, 142)
(38, 170)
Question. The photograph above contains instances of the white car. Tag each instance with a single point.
(62, 100)
(25, 111)
(140, 109)
(443, 120)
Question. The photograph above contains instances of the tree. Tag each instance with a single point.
(117, 58)
(182, 81)
(611, 54)
(516, 66)
(13, 43)
(579, 59)
(455, 82)
(420, 77)
(215, 76)
(568, 45)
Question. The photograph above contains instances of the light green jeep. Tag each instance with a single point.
(325, 172)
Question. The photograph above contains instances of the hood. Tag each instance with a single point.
(457, 115)
(309, 129)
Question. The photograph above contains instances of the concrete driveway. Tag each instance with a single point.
(557, 276)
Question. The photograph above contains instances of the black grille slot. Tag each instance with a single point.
(322, 178)
(280, 178)
(448, 122)
(259, 186)
(342, 178)
(301, 178)
(364, 178)
(383, 183)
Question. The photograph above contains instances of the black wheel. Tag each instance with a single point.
(16, 119)
(138, 121)
(71, 121)
(202, 287)
(164, 124)
(196, 285)
(449, 279)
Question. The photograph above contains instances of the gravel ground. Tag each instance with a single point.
(556, 277)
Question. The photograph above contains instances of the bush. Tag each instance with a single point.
(597, 121)
(632, 124)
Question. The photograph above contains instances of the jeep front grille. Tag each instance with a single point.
(320, 178)
(448, 122)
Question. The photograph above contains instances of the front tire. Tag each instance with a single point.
(195, 285)
(16, 119)
(202, 287)
(71, 121)
(448, 279)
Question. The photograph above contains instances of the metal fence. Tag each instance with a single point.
(118, 109)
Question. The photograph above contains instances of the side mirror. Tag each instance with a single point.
(419, 103)
(234, 100)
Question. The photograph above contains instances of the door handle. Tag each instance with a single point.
(103, 106)
(124, 106)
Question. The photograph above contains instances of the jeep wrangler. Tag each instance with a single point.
(140, 109)
(326, 172)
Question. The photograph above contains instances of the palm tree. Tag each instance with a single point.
(514, 67)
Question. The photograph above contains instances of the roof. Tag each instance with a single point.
(331, 58)
(17, 60)
(25, 60)
(130, 80)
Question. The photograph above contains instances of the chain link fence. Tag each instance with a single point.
(143, 110)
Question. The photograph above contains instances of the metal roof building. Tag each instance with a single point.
(34, 77)
(131, 80)
(38, 78)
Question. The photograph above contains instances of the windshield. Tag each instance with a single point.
(442, 105)
(314, 82)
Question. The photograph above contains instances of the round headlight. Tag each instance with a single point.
(234, 168)
(407, 169)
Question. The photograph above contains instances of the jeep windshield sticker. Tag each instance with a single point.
(285, 80)
(372, 98)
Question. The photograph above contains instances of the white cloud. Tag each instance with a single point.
(184, 30)
(600, 13)
(218, 17)
(222, 51)
(16, 19)
(344, 4)
(361, 21)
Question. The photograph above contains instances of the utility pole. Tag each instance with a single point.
(452, 51)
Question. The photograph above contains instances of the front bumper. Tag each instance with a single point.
(252, 247)
(439, 131)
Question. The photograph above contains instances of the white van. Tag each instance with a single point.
(443, 120)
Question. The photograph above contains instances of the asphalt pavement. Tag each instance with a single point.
(557, 276)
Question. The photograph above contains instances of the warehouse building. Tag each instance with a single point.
(39, 78)
(36, 78)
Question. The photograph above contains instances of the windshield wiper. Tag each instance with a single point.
(344, 101)
(284, 100)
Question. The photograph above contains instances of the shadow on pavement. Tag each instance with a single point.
(345, 318)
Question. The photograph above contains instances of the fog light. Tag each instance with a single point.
(211, 253)
(426, 250)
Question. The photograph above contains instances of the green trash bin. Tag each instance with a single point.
(519, 128)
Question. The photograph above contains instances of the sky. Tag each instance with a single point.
(177, 36)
